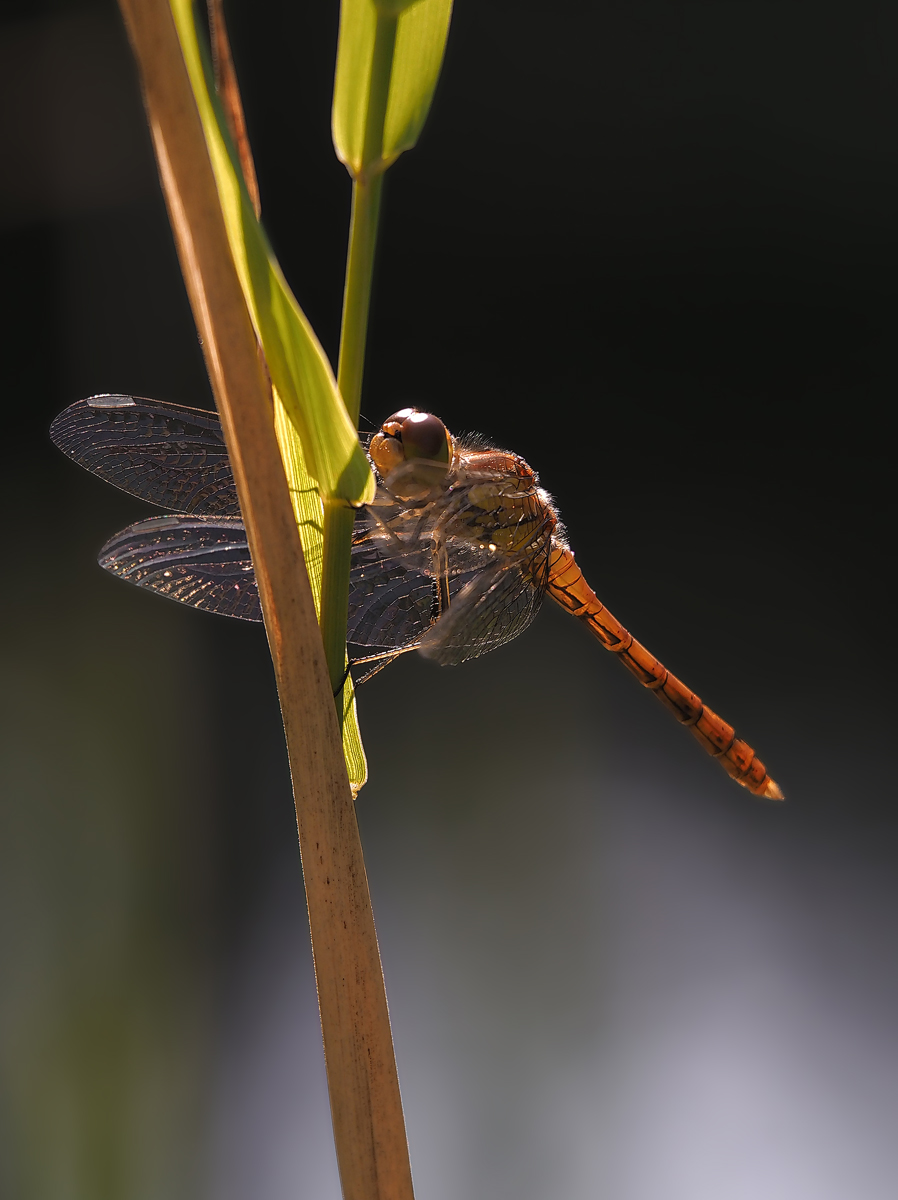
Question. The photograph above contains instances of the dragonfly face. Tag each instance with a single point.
(452, 557)
(412, 453)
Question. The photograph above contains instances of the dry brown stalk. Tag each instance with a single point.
(369, 1129)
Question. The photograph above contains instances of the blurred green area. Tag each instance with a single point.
(608, 972)
(106, 893)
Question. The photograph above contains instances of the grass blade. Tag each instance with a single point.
(299, 367)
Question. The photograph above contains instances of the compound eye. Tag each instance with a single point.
(424, 436)
(393, 425)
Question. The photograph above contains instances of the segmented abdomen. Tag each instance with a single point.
(568, 587)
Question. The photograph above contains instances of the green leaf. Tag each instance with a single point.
(298, 366)
(309, 513)
(388, 61)
(319, 444)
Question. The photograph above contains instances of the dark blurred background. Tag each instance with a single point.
(651, 247)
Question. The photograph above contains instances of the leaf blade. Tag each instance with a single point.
(298, 365)
(422, 28)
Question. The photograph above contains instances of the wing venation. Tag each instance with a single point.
(169, 455)
(200, 561)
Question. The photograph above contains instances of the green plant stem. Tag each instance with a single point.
(357, 292)
(366, 193)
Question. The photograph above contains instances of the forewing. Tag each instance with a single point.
(172, 456)
(494, 606)
(200, 561)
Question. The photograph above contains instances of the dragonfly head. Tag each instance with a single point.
(412, 452)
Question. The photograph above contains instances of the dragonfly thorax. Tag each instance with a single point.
(504, 504)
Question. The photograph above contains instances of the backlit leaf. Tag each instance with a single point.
(422, 27)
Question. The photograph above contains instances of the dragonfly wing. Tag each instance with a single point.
(172, 456)
(200, 561)
(494, 606)
(392, 597)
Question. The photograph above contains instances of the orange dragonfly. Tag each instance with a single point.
(452, 558)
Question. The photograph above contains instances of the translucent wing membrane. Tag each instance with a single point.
(392, 597)
(389, 606)
(171, 456)
(491, 608)
(200, 561)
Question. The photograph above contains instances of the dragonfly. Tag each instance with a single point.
(452, 558)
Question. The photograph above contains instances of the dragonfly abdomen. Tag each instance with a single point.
(568, 588)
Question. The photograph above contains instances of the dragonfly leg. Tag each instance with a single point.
(441, 575)
(381, 660)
